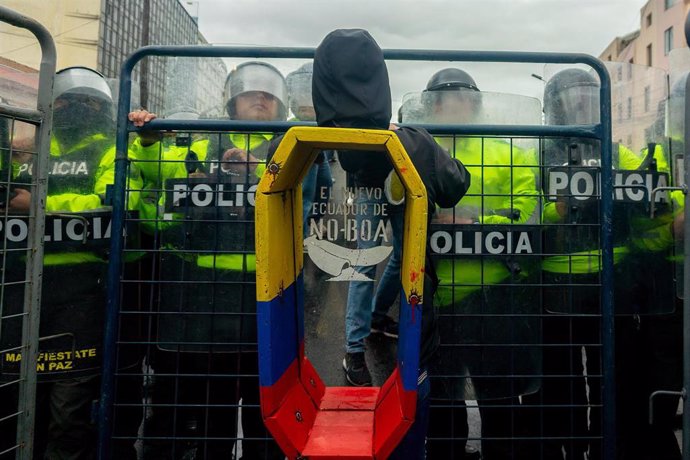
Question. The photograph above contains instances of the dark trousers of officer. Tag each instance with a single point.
(477, 341)
(566, 411)
(648, 358)
(448, 429)
(64, 426)
(195, 402)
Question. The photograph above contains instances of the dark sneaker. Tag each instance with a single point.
(386, 326)
(471, 453)
(356, 369)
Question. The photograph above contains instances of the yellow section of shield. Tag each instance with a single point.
(278, 211)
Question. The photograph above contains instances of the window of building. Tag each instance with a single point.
(668, 40)
(629, 108)
(669, 3)
(647, 98)
(649, 19)
(619, 109)
(630, 69)
(649, 55)
(619, 73)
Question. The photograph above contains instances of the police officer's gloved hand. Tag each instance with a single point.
(21, 201)
(139, 118)
(237, 161)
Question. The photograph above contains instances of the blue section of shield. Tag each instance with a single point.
(408, 341)
(280, 331)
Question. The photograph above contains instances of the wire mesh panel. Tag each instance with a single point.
(14, 281)
(514, 340)
(25, 123)
(189, 300)
(488, 255)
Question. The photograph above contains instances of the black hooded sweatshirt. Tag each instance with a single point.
(350, 89)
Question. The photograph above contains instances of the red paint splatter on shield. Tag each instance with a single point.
(414, 300)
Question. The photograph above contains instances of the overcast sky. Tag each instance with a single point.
(585, 26)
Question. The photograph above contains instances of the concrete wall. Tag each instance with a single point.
(73, 23)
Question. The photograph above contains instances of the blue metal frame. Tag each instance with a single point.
(601, 131)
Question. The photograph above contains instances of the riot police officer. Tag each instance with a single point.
(82, 160)
(649, 332)
(206, 333)
(572, 271)
(503, 193)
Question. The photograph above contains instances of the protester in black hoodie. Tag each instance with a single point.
(351, 90)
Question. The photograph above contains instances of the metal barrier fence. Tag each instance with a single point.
(686, 267)
(22, 250)
(183, 295)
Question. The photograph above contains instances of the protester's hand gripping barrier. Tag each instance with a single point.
(307, 418)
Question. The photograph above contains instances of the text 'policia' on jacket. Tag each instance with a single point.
(204, 220)
(77, 241)
(503, 192)
(351, 90)
(635, 230)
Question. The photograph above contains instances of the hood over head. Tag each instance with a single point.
(350, 84)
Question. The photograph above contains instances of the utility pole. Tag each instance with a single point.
(146, 18)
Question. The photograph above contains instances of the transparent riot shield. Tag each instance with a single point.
(642, 206)
(193, 82)
(679, 63)
(207, 228)
(487, 251)
(135, 99)
(197, 273)
(77, 227)
(351, 265)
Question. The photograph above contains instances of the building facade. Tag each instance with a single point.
(101, 34)
(640, 59)
(662, 24)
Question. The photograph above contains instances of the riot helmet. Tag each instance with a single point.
(452, 96)
(451, 79)
(82, 105)
(299, 92)
(257, 85)
(571, 97)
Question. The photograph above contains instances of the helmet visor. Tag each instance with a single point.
(256, 78)
(577, 105)
(81, 82)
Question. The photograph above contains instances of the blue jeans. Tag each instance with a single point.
(324, 178)
(389, 285)
(308, 195)
(360, 294)
(412, 446)
(318, 177)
